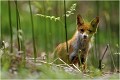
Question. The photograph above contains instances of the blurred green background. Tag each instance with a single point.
(48, 20)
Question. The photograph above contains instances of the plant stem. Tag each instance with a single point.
(100, 60)
(33, 37)
(113, 62)
(65, 26)
(19, 46)
(11, 30)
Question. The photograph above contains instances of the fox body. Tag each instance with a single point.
(80, 44)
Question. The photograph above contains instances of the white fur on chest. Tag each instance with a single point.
(79, 44)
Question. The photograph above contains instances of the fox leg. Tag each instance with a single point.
(83, 58)
(83, 62)
(74, 58)
(72, 55)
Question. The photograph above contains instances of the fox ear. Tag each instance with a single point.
(80, 20)
(95, 22)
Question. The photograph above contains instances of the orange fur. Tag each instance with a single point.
(80, 43)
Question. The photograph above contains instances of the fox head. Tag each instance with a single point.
(87, 30)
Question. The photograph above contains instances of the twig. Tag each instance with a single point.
(100, 61)
(112, 57)
(33, 58)
(64, 63)
(105, 51)
(61, 61)
(54, 60)
(76, 68)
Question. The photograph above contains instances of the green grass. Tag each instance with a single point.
(48, 30)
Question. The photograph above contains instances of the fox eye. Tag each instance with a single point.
(82, 30)
(90, 31)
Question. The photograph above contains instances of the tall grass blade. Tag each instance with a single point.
(33, 37)
(11, 30)
(100, 60)
(1, 33)
(45, 32)
(19, 46)
(65, 25)
(98, 34)
(20, 33)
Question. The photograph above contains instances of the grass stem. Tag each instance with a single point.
(11, 30)
(65, 25)
(33, 37)
(19, 46)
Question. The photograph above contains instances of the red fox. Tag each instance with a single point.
(81, 41)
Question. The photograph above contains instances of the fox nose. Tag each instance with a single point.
(85, 36)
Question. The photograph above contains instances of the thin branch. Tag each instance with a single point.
(65, 63)
(105, 51)
(76, 67)
(112, 58)
(100, 61)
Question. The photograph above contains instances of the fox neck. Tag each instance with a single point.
(78, 43)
